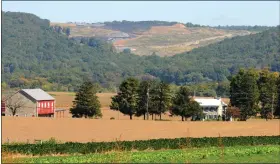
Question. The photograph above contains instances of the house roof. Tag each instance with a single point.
(209, 102)
(38, 94)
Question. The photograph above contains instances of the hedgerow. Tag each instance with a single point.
(155, 144)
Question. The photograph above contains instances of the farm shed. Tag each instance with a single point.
(30, 103)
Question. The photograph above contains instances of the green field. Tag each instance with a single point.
(237, 154)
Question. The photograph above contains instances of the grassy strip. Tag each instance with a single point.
(154, 144)
(244, 154)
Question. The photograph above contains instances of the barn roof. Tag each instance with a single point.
(38, 94)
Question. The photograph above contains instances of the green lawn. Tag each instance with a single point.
(237, 154)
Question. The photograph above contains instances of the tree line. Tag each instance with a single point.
(138, 98)
(252, 92)
(255, 92)
(247, 28)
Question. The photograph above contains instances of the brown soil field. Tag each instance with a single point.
(21, 129)
(64, 100)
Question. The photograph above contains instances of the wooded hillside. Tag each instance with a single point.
(35, 55)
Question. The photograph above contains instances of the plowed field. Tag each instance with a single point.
(86, 130)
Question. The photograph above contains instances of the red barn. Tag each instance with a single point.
(31, 102)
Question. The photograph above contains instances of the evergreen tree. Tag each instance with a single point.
(244, 93)
(126, 100)
(268, 92)
(67, 31)
(235, 88)
(86, 103)
(161, 97)
(127, 51)
(183, 105)
(115, 102)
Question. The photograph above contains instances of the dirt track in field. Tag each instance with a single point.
(84, 130)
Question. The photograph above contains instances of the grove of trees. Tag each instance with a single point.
(255, 91)
(152, 97)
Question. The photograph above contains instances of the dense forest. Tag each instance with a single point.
(36, 55)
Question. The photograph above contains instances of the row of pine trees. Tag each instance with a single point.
(151, 97)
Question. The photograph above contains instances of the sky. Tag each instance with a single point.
(211, 13)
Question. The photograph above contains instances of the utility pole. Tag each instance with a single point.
(118, 106)
(272, 104)
(118, 113)
(147, 107)
(248, 106)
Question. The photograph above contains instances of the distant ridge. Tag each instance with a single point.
(34, 55)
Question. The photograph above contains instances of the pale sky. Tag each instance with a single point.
(205, 13)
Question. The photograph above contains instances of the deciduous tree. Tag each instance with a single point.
(14, 105)
(277, 111)
(233, 112)
(268, 92)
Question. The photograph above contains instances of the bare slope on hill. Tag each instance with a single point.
(171, 40)
(163, 40)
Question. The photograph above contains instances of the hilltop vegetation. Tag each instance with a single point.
(35, 55)
(132, 26)
(247, 28)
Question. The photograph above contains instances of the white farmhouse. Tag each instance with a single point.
(212, 108)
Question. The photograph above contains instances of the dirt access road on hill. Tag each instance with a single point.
(86, 130)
